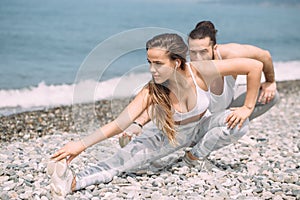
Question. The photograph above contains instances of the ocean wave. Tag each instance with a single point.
(284, 71)
(43, 95)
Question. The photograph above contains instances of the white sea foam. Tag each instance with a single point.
(43, 95)
(283, 71)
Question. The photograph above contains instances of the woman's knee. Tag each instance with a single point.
(217, 119)
(237, 132)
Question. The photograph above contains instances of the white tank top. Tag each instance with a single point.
(221, 102)
(201, 104)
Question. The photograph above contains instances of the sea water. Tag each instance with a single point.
(63, 52)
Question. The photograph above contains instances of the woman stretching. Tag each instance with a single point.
(176, 100)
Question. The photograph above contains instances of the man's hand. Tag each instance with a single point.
(238, 116)
(267, 93)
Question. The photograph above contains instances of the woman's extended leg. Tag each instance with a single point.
(151, 145)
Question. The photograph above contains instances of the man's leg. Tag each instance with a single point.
(259, 107)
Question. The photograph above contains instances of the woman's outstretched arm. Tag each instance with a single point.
(128, 115)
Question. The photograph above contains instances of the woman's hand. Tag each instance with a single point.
(69, 151)
(238, 116)
(131, 131)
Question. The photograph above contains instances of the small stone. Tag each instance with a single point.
(44, 198)
(275, 190)
(91, 187)
(296, 193)
(131, 180)
(29, 178)
(95, 192)
(156, 195)
(258, 190)
(9, 185)
(5, 197)
(261, 139)
(3, 178)
(26, 195)
(291, 178)
(277, 197)
(131, 194)
(267, 195)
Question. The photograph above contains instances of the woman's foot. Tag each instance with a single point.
(62, 178)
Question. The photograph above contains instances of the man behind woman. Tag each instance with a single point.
(203, 46)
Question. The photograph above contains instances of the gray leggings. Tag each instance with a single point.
(206, 135)
(259, 107)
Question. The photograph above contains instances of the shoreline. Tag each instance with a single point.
(80, 118)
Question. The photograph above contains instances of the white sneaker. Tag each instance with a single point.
(61, 178)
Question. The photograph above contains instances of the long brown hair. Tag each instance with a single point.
(159, 100)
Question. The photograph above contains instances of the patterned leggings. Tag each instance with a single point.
(206, 135)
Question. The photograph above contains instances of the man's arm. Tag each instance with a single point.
(233, 50)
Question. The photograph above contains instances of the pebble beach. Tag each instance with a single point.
(264, 164)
